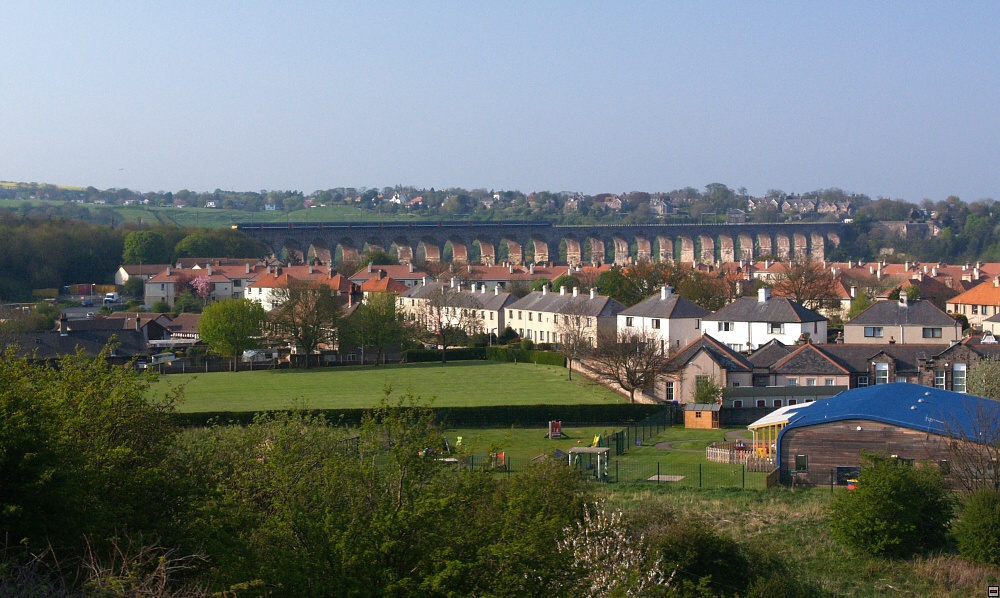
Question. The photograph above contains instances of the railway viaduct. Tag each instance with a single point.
(520, 242)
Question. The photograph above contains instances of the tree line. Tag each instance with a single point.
(101, 494)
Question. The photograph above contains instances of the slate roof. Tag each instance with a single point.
(775, 309)
(490, 300)
(582, 305)
(910, 406)
(894, 313)
(809, 359)
(727, 359)
(769, 353)
(858, 357)
(673, 307)
(52, 345)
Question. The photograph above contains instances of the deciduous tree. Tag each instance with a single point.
(631, 359)
(232, 326)
(307, 314)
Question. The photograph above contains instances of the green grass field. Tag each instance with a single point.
(218, 218)
(459, 384)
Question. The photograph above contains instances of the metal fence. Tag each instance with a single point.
(636, 434)
(694, 475)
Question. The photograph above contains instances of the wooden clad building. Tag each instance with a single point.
(925, 426)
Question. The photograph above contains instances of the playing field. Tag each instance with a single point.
(458, 384)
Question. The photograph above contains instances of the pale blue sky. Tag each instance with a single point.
(884, 98)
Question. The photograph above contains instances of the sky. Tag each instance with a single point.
(893, 99)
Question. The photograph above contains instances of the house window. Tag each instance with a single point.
(828, 382)
(873, 332)
(793, 381)
(510, 314)
(727, 326)
(939, 379)
(628, 322)
(810, 381)
(737, 404)
(932, 333)
(529, 317)
(792, 401)
(655, 323)
(881, 373)
(975, 310)
(697, 324)
(736, 384)
(670, 391)
(775, 328)
(697, 414)
(801, 463)
(862, 381)
(519, 314)
(590, 322)
(761, 403)
(900, 378)
(958, 377)
(776, 403)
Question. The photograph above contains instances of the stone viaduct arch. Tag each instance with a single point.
(410, 241)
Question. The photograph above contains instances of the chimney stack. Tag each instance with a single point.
(903, 300)
(210, 269)
(593, 293)
(168, 270)
(763, 295)
(369, 266)
(562, 290)
(854, 291)
(496, 289)
(63, 325)
(545, 290)
(576, 291)
(248, 267)
(531, 268)
(452, 282)
(411, 267)
(665, 292)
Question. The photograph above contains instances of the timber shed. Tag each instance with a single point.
(701, 415)
(919, 424)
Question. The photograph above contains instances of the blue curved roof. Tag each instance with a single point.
(911, 406)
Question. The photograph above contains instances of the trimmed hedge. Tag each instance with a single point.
(508, 354)
(504, 416)
(460, 354)
(522, 356)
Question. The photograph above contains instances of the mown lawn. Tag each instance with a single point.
(459, 384)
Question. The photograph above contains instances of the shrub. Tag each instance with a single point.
(527, 344)
(978, 528)
(896, 509)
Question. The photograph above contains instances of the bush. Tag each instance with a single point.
(896, 509)
(527, 344)
(978, 528)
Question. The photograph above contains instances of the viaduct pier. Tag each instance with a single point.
(522, 241)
